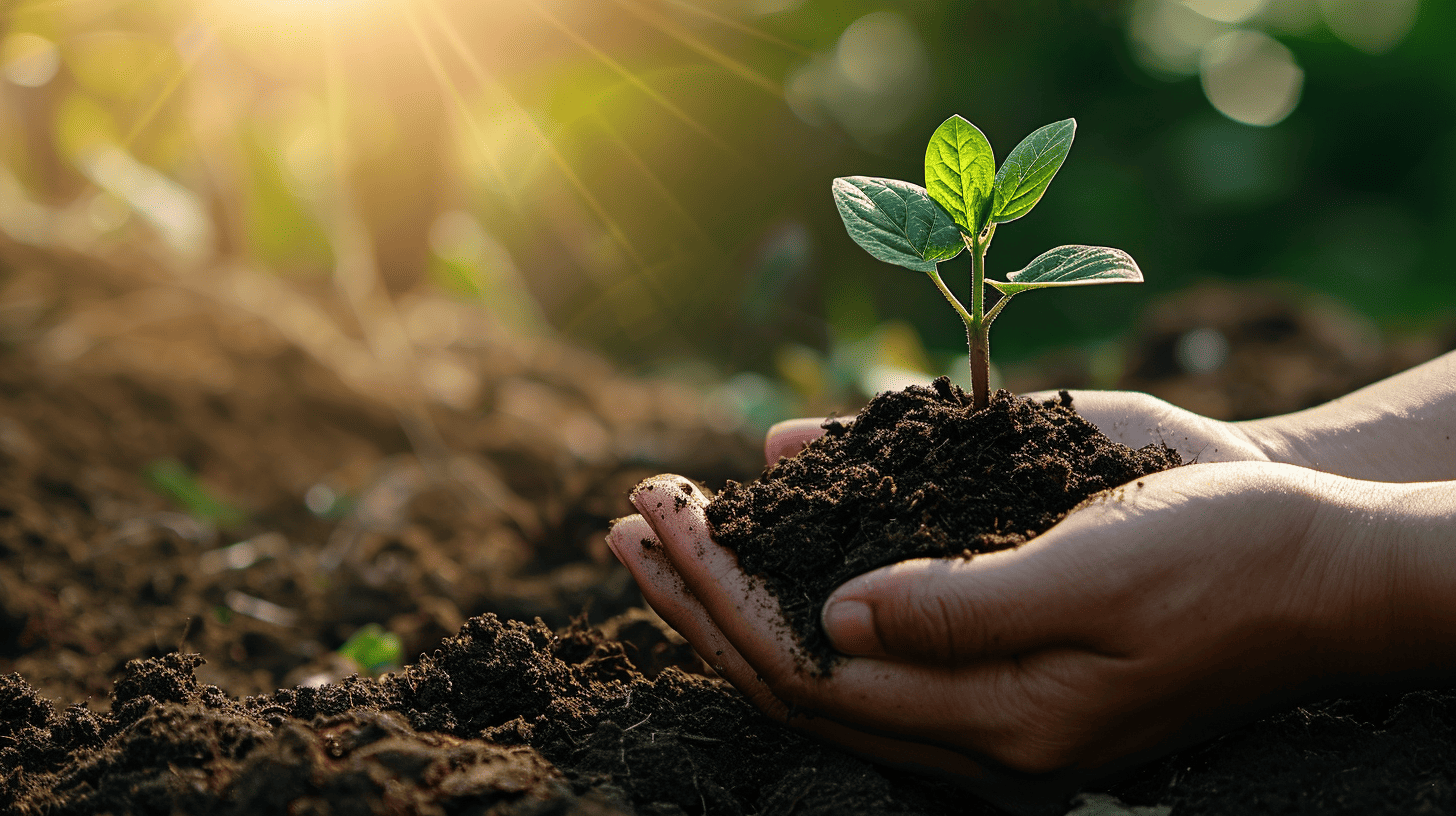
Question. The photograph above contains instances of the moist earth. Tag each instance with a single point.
(503, 718)
(140, 672)
(920, 473)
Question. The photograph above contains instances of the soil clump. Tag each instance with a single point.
(918, 474)
(503, 718)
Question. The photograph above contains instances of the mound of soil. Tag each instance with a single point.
(918, 474)
(453, 519)
(348, 505)
(504, 718)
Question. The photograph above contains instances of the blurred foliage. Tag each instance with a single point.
(174, 480)
(651, 177)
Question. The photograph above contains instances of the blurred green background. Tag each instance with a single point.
(651, 177)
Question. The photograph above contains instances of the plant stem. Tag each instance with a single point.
(978, 323)
(977, 328)
(950, 296)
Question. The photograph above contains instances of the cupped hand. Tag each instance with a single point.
(1145, 620)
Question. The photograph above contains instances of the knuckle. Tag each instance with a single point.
(947, 628)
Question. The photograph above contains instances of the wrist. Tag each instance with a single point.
(1389, 605)
(1420, 524)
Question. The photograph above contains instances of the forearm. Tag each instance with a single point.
(1401, 429)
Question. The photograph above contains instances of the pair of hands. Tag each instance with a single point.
(1134, 626)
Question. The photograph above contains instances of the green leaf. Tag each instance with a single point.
(960, 169)
(1025, 174)
(1073, 266)
(897, 222)
(373, 647)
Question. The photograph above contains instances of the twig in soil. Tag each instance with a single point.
(695, 737)
(639, 722)
(266, 611)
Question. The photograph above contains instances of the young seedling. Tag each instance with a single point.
(964, 199)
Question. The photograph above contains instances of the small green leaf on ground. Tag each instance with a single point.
(960, 169)
(173, 480)
(897, 222)
(373, 648)
(1025, 174)
(1072, 266)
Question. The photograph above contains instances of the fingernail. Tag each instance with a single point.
(649, 495)
(850, 625)
(660, 495)
(612, 533)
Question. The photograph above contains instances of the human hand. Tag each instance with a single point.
(1111, 638)
(640, 547)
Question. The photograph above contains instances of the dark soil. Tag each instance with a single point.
(503, 718)
(458, 517)
(918, 474)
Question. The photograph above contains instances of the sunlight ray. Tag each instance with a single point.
(443, 78)
(650, 287)
(619, 297)
(189, 61)
(741, 27)
(653, 179)
(685, 37)
(356, 276)
(547, 143)
(635, 81)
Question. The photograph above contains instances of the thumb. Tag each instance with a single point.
(787, 438)
(953, 611)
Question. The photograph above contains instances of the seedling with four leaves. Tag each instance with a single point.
(964, 199)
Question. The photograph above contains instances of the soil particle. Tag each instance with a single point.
(919, 473)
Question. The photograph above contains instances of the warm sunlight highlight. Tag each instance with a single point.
(305, 9)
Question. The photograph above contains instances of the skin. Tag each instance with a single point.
(1301, 555)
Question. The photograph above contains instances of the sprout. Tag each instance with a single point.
(373, 648)
(964, 199)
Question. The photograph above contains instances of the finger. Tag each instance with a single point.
(636, 546)
(924, 702)
(787, 438)
(742, 609)
(952, 612)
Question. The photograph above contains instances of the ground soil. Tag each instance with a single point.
(919, 473)
(154, 660)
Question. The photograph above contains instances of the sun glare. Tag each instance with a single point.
(298, 12)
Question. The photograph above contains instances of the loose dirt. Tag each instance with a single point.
(156, 661)
(919, 473)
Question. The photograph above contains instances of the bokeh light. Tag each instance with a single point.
(650, 177)
(1251, 78)
(29, 60)
(1372, 27)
